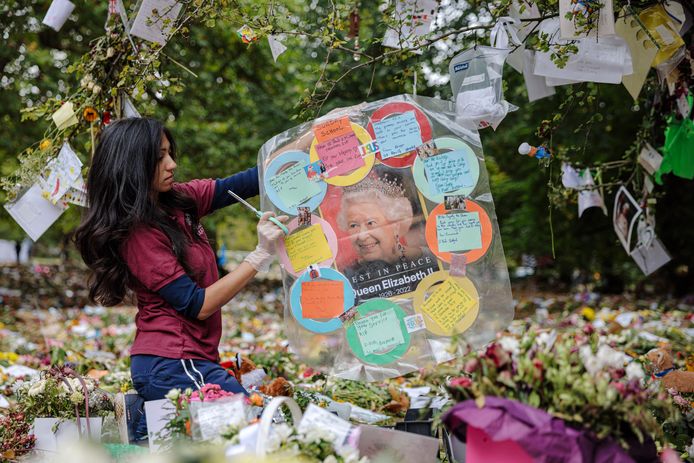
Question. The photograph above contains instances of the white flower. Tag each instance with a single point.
(316, 434)
(606, 357)
(348, 453)
(279, 435)
(634, 371)
(690, 449)
(37, 388)
(330, 459)
(173, 395)
(510, 344)
(76, 398)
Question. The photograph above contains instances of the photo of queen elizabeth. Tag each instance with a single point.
(380, 227)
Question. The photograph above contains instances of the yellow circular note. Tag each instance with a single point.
(451, 308)
(358, 174)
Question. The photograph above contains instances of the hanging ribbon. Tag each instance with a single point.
(505, 26)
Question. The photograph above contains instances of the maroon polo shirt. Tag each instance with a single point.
(161, 330)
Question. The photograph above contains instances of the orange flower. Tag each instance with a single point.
(256, 400)
(90, 114)
(45, 144)
(188, 428)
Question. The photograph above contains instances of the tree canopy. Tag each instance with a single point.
(223, 98)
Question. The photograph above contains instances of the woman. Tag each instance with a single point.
(377, 215)
(142, 233)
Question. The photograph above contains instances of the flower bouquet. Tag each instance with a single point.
(57, 401)
(216, 416)
(573, 375)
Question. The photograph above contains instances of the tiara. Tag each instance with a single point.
(389, 187)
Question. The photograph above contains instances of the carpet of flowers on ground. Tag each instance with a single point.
(580, 357)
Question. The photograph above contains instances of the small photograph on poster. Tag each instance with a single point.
(380, 226)
(427, 150)
(304, 216)
(454, 202)
(316, 171)
(624, 217)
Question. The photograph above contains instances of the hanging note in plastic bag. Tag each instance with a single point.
(476, 81)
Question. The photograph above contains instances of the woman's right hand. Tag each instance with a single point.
(268, 232)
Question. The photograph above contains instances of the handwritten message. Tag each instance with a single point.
(340, 154)
(448, 172)
(316, 417)
(322, 299)
(307, 246)
(60, 174)
(211, 421)
(293, 187)
(448, 304)
(379, 332)
(397, 135)
(459, 231)
(332, 128)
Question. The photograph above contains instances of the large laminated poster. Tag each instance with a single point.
(380, 226)
(393, 248)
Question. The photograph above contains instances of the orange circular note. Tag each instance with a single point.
(472, 255)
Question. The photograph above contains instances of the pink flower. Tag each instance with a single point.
(539, 369)
(461, 381)
(670, 456)
(620, 387)
(497, 354)
(308, 372)
(209, 393)
(471, 366)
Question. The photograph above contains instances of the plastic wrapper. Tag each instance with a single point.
(476, 81)
(384, 198)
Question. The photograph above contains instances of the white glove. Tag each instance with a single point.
(268, 234)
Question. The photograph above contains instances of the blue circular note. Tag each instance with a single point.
(458, 149)
(298, 184)
(316, 326)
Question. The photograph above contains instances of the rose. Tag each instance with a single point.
(471, 366)
(497, 355)
(173, 394)
(461, 381)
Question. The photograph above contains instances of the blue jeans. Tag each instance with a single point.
(153, 377)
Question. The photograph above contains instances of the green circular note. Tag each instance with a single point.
(380, 335)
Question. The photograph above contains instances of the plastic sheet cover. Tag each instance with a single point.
(394, 248)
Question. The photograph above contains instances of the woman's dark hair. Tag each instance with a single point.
(121, 196)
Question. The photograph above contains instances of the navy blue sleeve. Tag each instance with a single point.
(244, 184)
(184, 295)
